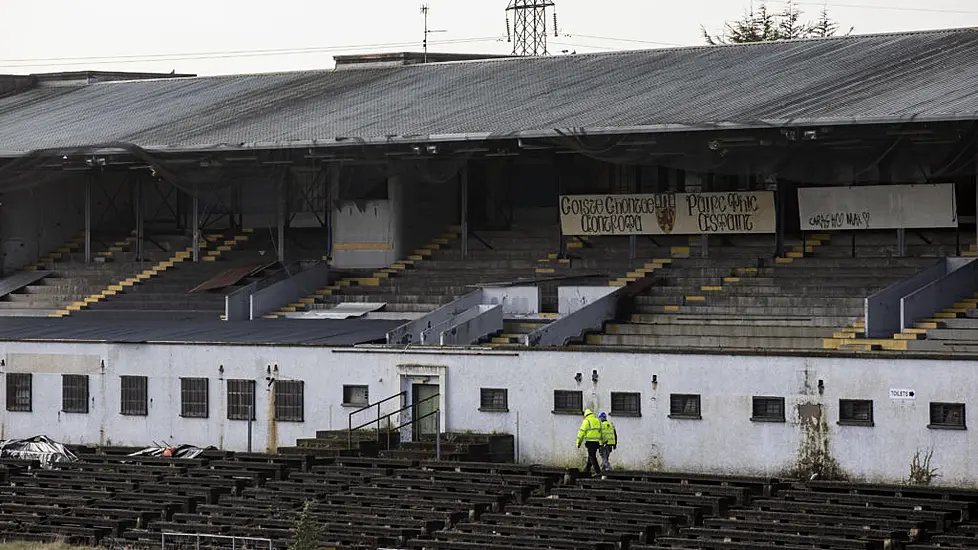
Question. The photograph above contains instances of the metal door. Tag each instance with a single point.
(419, 394)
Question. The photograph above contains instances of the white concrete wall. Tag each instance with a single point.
(365, 222)
(724, 441)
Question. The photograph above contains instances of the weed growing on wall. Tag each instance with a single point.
(921, 471)
(308, 531)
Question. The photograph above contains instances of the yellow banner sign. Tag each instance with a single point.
(668, 213)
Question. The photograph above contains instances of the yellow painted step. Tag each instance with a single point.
(224, 248)
(552, 256)
(573, 245)
(594, 339)
(731, 279)
(886, 344)
(501, 341)
(670, 308)
(545, 270)
(679, 251)
(820, 237)
(209, 259)
(381, 275)
(307, 301)
(844, 335)
(859, 324)
(695, 298)
(367, 281)
(909, 336)
(926, 325)
(424, 252)
(783, 260)
(709, 288)
(247, 230)
(288, 309)
(440, 241)
(618, 282)
(241, 238)
(344, 283)
(416, 257)
(324, 292)
(946, 315)
(915, 330)
(795, 255)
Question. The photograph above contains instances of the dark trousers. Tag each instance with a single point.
(592, 457)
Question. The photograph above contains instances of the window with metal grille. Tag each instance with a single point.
(568, 402)
(19, 394)
(241, 399)
(494, 400)
(290, 400)
(682, 405)
(947, 416)
(194, 398)
(856, 412)
(74, 393)
(767, 409)
(626, 404)
(134, 400)
(356, 395)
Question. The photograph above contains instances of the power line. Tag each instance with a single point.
(97, 60)
(632, 40)
(888, 8)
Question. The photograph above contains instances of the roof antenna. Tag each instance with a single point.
(424, 11)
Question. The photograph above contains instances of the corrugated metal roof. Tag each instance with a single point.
(861, 79)
(147, 328)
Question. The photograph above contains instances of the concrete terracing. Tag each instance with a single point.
(170, 291)
(740, 299)
(72, 280)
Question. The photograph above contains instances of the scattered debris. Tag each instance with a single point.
(173, 451)
(48, 453)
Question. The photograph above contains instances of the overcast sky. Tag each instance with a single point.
(245, 36)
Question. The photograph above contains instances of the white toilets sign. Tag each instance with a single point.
(668, 213)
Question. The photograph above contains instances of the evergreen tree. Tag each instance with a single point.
(761, 25)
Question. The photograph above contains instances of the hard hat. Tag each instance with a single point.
(602, 416)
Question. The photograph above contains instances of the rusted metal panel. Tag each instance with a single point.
(230, 277)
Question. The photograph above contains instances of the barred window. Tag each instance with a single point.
(684, 406)
(356, 395)
(19, 394)
(856, 412)
(947, 416)
(626, 404)
(768, 409)
(290, 400)
(194, 398)
(134, 400)
(74, 393)
(241, 399)
(568, 401)
(493, 400)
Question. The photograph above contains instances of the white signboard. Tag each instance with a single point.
(903, 394)
(877, 207)
(668, 213)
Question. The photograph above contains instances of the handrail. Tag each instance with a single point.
(349, 434)
(387, 416)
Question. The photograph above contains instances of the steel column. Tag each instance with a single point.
(140, 222)
(281, 215)
(632, 247)
(88, 219)
(465, 211)
(196, 223)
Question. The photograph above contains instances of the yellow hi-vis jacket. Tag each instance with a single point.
(590, 429)
(608, 433)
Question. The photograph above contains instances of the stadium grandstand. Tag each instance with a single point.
(392, 289)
